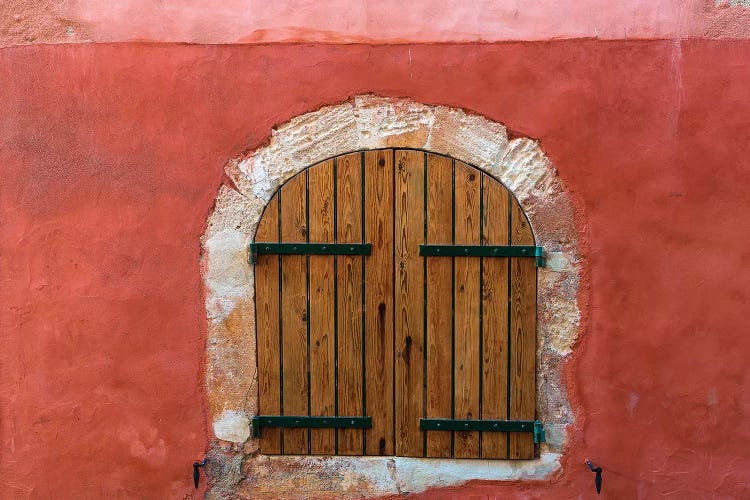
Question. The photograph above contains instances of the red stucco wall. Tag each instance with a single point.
(110, 157)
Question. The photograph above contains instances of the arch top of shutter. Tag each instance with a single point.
(396, 311)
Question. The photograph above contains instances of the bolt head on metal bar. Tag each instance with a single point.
(483, 251)
(294, 421)
(447, 424)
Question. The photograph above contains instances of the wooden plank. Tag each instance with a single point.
(379, 301)
(466, 316)
(322, 347)
(294, 313)
(523, 335)
(267, 321)
(439, 302)
(409, 308)
(349, 286)
(495, 318)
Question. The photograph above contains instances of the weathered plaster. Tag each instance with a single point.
(367, 21)
(369, 122)
(362, 477)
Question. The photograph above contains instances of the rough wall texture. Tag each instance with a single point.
(111, 157)
(367, 21)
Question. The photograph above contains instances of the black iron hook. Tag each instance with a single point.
(196, 472)
(598, 478)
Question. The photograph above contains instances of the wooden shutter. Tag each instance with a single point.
(396, 307)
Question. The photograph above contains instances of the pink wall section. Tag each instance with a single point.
(370, 21)
(111, 156)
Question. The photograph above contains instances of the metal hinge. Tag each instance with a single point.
(449, 424)
(539, 434)
(483, 251)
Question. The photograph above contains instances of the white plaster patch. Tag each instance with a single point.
(525, 170)
(555, 436)
(228, 277)
(381, 121)
(419, 474)
(358, 477)
(233, 211)
(564, 317)
(304, 141)
(558, 261)
(232, 425)
(469, 138)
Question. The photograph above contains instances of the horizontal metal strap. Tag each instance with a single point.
(483, 251)
(292, 421)
(448, 424)
(309, 249)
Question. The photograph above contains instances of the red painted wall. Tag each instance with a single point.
(111, 155)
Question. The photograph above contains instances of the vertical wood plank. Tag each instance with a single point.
(322, 375)
(495, 319)
(294, 313)
(466, 297)
(523, 335)
(439, 302)
(267, 324)
(379, 301)
(409, 230)
(349, 283)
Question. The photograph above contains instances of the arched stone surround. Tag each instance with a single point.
(370, 122)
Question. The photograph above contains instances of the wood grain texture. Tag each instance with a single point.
(409, 230)
(349, 284)
(267, 325)
(439, 302)
(322, 347)
(412, 336)
(523, 335)
(379, 301)
(294, 313)
(466, 317)
(495, 319)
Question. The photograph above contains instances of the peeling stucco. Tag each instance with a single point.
(370, 122)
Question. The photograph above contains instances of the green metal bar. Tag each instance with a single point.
(483, 251)
(448, 424)
(539, 435)
(302, 248)
(304, 421)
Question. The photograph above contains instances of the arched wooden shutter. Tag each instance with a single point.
(396, 312)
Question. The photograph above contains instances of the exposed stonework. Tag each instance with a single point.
(362, 477)
(733, 3)
(370, 122)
